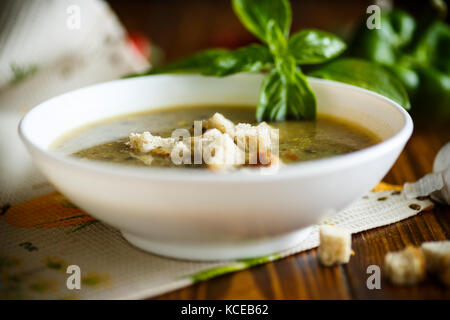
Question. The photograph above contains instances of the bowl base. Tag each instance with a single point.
(213, 251)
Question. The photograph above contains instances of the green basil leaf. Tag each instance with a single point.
(196, 63)
(313, 46)
(272, 99)
(255, 15)
(285, 93)
(433, 96)
(302, 101)
(366, 75)
(252, 58)
(286, 97)
(408, 77)
(397, 28)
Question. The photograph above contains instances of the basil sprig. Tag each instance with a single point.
(256, 15)
(285, 93)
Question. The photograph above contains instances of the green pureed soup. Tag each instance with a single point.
(107, 140)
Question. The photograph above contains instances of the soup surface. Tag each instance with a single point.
(298, 140)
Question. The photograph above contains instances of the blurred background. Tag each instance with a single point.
(181, 27)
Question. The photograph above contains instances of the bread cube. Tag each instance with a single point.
(434, 251)
(220, 151)
(146, 142)
(444, 270)
(437, 259)
(335, 245)
(219, 122)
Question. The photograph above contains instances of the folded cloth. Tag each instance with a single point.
(435, 184)
(48, 48)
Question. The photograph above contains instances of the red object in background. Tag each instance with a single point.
(140, 44)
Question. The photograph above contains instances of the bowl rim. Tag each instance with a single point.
(294, 170)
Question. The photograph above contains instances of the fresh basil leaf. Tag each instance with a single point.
(286, 97)
(310, 46)
(433, 96)
(196, 63)
(384, 45)
(255, 15)
(366, 75)
(408, 77)
(277, 42)
(301, 98)
(285, 93)
(272, 99)
(397, 28)
(252, 58)
(433, 47)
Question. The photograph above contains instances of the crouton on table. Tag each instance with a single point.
(405, 267)
(437, 259)
(335, 245)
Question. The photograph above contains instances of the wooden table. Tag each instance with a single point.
(180, 28)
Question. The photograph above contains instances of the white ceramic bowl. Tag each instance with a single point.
(204, 215)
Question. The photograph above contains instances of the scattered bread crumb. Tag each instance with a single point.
(444, 270)
(180, 152)
(405, 267)
(220, 151)
(146, 142)
(437, 258)
(147, 159)
(335, 245)
(434, 251)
